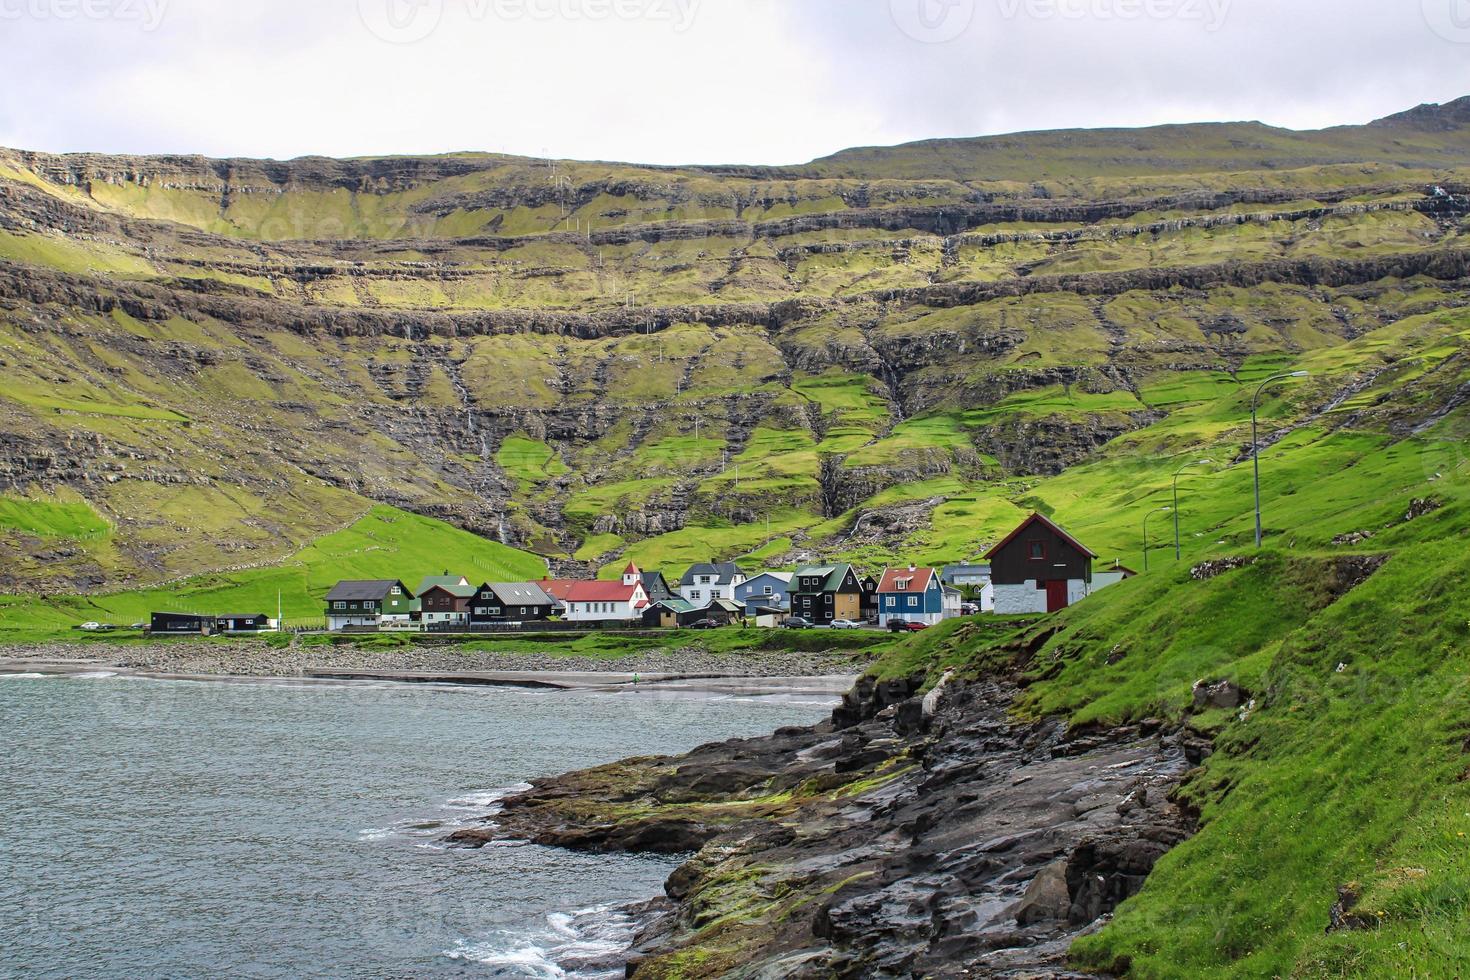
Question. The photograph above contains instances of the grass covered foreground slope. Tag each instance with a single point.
(212, 364)
(1341, 777)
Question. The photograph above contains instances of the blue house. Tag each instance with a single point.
(768, 590)
(915, 595)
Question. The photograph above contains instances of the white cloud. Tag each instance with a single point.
(677, 81)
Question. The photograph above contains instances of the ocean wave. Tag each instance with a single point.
(590, 944)
(93, 675)
(23, 677)
(450, 816)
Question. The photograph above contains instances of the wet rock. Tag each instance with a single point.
(1048, 897)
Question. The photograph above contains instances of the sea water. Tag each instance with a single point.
(266, 829)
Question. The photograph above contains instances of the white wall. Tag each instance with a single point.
(1013, 600)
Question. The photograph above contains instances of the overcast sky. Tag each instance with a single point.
(695, 81)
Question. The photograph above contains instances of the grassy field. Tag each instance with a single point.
(386, 543)
(1347, 768)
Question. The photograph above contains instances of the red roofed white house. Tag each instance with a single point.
(915, 595)
(1039, 568)
(596, 602)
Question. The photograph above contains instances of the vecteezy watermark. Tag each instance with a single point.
(933, 21)
(1210, 13)
(1450, 19)
(410, 21)
(147, 14)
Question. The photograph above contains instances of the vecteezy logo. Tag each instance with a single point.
(401, 21)
(1450, 19)
(932, 21)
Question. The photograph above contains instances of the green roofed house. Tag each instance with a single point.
(823, 594)
(445, 600)
(363, 604)
(672, 613)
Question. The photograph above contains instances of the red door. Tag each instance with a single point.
(1056, 596)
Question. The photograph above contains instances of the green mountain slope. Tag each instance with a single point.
(219, 362)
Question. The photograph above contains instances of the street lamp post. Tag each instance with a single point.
(1146, 518)
(1198, 462)
(1256, 441)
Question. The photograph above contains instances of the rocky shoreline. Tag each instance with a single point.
(912, 835)
(254, 659)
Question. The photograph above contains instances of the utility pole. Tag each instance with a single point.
(1256, 440)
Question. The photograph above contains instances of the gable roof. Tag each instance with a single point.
(458, 591)
(677, 605)
(365, 590)
(783, 577)
(445, 581)
(1039, 519)
(519, 593)
(723, 572)
(557, 588)
(831, 575)
(601, 592)
(918, 580)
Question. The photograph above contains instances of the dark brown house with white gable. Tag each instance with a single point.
(1039, 568)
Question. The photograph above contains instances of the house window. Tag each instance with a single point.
(696, 594)
(523, 610)
(768, 590)
(397, 590)
(913, 601)
(829, 598)
(339, 605)
(1037, 550)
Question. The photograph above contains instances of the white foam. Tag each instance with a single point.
(452, 815)
(22, 677)
(94, 675)
(577, 944)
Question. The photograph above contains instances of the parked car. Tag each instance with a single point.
(915, 627)
(797, 623)
(704, 624)
(90, 627)
(107, 627)
(138, 626)
(898, 625)
(846, 624)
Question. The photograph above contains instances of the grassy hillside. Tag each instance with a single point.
(1345, 768)
(885, 356)
(384, 544)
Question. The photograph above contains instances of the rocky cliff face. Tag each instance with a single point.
(694, 348)
(913, 835)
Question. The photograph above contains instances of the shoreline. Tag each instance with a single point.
(226, 668)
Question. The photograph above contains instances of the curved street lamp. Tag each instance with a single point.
(1256, 441)
(1198, 462)
(1146, 518)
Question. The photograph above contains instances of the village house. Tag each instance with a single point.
(824, 594)
(708, 581)
(183, 624)
(672, 613)
(768, 593)
(1039, 568)
(445, 600)
(360, 603)
(915, 595)
(657, 587)
(594, 602)
(974, 581)
(244, 623)
(510, 602)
